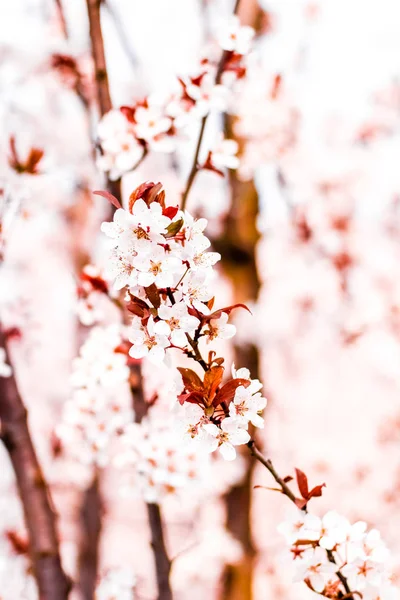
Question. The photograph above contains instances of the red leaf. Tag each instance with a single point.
(210, 303)
(149, 192)
(212, 379)
(287, 479)
(302, 482)
(153, 295)
(193, 397)
(191, 380)
(316, 491)
(170, 211)
(227, 310)
(227, 392)
(114, 201)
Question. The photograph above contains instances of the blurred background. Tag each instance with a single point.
(308, 227)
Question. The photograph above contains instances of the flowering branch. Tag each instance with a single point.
(35, 496)
(195, 166)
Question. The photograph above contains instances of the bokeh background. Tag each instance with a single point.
(309, 230)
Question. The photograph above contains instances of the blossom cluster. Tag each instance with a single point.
(157, 122)
(161, 257)
(160, 464)
(321, 547)
(96, 412)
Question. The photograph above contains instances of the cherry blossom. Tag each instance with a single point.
(316, 568)
(176, 323)
(220, 328)
(224, 438)
(234, 37)
(146, 341)
(247, 406)
(121, 150)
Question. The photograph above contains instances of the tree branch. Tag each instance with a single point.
(40, 520)
(162, 562)
(100, 66)
(195, 166)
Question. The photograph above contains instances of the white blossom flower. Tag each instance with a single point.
(120, 268)
(5, 369)
(362, 572)
(146, 342)
(225, 437)
(195, 253)
(234, 37)
(196, 291)
(120, 148)
(220, 328)
(246, 406)
(302, 526)
(151, 122)
(176, 323)
(386, 591)
(159, 268)
(334, 528)
(190, 420)
(317, 569)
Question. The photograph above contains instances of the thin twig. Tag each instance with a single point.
(195, 166)
(40, 519)
(268, 464)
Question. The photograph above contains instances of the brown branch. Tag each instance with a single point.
(40, 520)
(100, 66)
(288, 492)
(268, 464)
(162, 562)
(195, 166)
(91, 514)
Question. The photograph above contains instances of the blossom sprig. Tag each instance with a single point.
(161, 257)
(157, 123)
(333, 555)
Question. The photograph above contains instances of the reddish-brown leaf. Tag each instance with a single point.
(316, 492)
(110, 197)
(149, 192)
(302, 482)
(170, 211)
(191, 380)
(227, 392)
(227, 310)
(153, 295)
(212, 380)
(193, 397)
